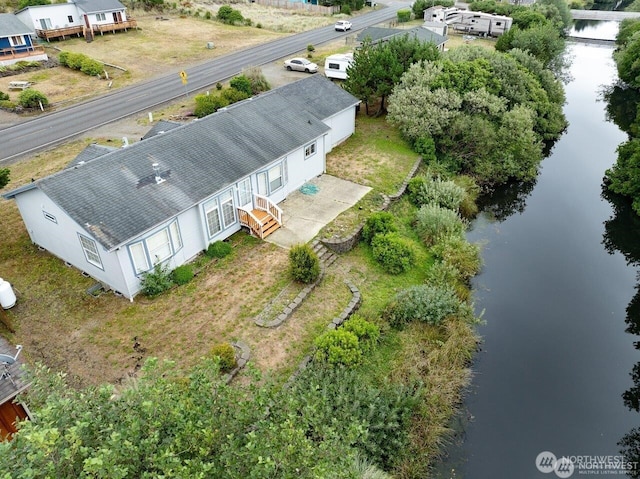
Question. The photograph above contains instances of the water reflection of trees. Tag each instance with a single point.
(507, 199)
(622, 105)
(622, 234)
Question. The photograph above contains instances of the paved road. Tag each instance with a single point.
(53, 128)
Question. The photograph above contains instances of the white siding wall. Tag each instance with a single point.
(342, 125)
(61, 238)
(302, 170)
(58, 13)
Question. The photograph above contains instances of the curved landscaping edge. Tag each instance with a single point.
(347, 243)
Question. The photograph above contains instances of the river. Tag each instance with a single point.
(556, 358)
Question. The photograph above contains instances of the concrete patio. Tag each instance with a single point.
(315, 204)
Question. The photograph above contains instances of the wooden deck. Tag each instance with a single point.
(21, 53)
(81, 30)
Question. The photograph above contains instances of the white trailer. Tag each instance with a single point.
(335, 66)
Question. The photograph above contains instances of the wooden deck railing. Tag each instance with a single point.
(21, 52)
(248, 219)
(265, 204)
(54, 33)
(114, 27)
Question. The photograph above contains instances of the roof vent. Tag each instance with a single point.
(125, 142)
(156, 170)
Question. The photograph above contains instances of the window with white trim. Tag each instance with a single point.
(244, 191)
(176, 239)
(139, 257)
(45, 23)
(159, 246)
(155, 248)
(275, 178)
(101, 17)
(220, 213)
(17, 41)
(228, 209)
(213, 217)
(309, 150)
(90, 248)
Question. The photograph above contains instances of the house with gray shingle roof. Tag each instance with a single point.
(165, 198)
(382, 34)
(76, 18)
(16, 43)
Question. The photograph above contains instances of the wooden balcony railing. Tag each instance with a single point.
(114, 27)
(54, 33)
(21, 52)
(265, 204)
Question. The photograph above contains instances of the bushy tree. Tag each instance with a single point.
(208, 104)
(225, 354)
(434, 223)
(395, 253)
(182, 274)
(425, 303)
(461, 254)
(304, 264)
(242, 84)
(231, 16)
(381, 222)
(219, 249)
(29, 3)
(427, 190)
(376, 68)
(366, 332)
(338, 347)
(156, 281)
(32, 99)
(259, 82)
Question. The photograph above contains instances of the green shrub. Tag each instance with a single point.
(32, 99)
(231, 95)
(182, 274)
(258, 25)
(91, 67)
(225, 353)
(5, 177)
(207, 15)
(247, 22)
(259, 82)
(425, 190)
(8, 105)
(311, 48)
(469, 206)
(338, 347)
(207, 104)
(434, 223)
(426, 303)
(426, 148)
(345, 8)
(74, 60)
(404, 16)
(63, 58)
(395, 253)
(229, 15)
(461, 254)
(304, 264)
(242, 84)
(218, 86)
(366, 332)
(156, 281)
(378, 223)
(4, 96)
(219, 249)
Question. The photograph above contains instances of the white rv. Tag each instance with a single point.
(335, 66)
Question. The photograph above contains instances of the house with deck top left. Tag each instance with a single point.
(115, 213)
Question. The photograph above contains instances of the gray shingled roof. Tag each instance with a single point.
(93, 6)
(377, 34)
(116, 198)
(91, 152)
(11, 25)
(161, 127)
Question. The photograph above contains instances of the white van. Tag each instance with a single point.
(335, 66)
